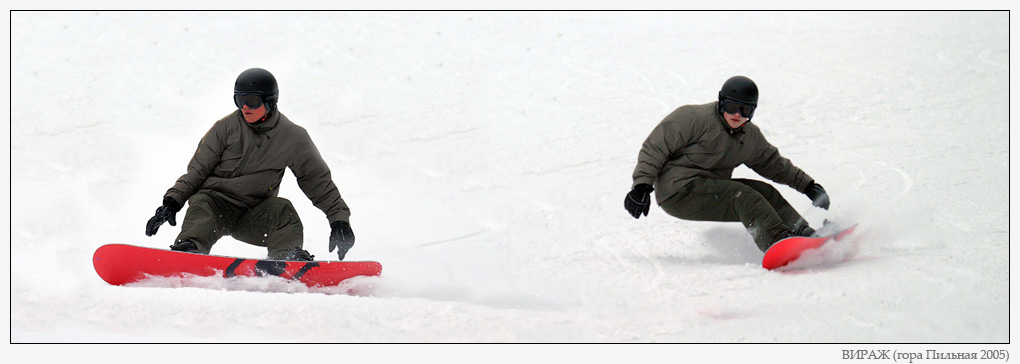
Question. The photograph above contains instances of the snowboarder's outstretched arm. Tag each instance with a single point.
(667, 139)
(772, 165)
(314, 178)
(206, 157)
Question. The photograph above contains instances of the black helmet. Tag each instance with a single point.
(740, 89)
(260, 82)
(743, 94)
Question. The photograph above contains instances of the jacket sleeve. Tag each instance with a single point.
(314, 179)
(667, 139)
(772, 165)
(206, 157)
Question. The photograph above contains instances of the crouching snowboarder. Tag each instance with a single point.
(233, 181)
(689, 159)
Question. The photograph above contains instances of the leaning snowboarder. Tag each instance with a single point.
(233, 181)
(689, 159)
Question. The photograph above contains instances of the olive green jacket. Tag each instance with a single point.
(695, 141)
(243, 164)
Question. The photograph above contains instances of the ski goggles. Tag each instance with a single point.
(253, 101)
(733, 107)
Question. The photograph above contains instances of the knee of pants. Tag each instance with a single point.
(763, 188)
(746, 194)
(271, 222)
(749, 202)
(203, 223)
(287, 214)
(200, 200)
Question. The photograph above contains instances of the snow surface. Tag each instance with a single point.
(485, 157)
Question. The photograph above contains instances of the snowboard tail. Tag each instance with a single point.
(788, 250)
(120, 264)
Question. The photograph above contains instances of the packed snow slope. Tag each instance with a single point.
(485, 158)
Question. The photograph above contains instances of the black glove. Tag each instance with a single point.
(341, 238)
(638, 200)
(165, 213)
(817, 195)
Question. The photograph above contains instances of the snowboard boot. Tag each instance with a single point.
(185, 246)
(298, 255)
(801, 231)
(828, 228)
(783, 235)
(804, 231)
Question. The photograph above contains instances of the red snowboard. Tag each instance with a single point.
(785, 251)
(119, 264)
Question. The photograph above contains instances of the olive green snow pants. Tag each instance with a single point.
(273, 223)
(759, 206)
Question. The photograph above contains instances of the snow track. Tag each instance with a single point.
(485, 157)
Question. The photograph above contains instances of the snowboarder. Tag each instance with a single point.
(233, 181)
(689, 159)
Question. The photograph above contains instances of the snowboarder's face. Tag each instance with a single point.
(253, 115)
(734, 120)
